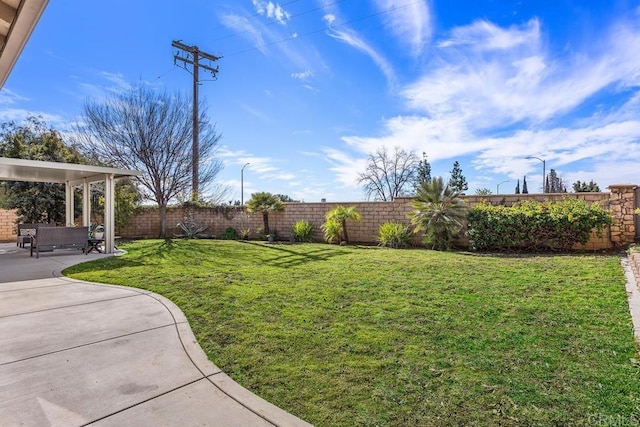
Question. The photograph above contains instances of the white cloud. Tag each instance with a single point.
(499, 94)
(118, 82)
(345, 166)
(257, 113)
(329, 18)
(304, 75)
(352, 39)
(410, 23)
(272, 10)
(487, 36)
(8, 97)
(246, 29)
(20, 115)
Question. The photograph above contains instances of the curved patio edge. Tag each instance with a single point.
(252, 402)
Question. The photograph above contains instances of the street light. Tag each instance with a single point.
(498, 186)
(242, 184)
(544, 169)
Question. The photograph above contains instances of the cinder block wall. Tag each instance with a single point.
(146, 223)
(8, 228)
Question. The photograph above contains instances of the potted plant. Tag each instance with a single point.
(97, 232)
(244, 233)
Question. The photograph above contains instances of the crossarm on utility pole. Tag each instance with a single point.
(192, 57)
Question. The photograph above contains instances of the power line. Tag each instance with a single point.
(297, 36)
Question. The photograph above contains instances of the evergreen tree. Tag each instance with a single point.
(423, 172)
(583, 187)
(483, 192)
(518, 187)
(524, 186)
(555, 183)
(458, 182)
(33, 140)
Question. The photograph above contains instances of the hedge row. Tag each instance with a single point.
(531, 225)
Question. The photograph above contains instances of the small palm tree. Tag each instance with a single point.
(341, 214)
(439, 212)
(264, 203)
(332, 230)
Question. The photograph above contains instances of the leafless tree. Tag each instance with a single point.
(151, 131)
(389, 175)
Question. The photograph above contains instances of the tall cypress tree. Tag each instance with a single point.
(423, 171)
(457, 181)
(524, 186)
(518, 187)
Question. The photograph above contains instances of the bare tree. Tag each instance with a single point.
(389, 175)
(150, 131)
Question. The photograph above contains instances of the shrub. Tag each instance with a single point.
(439, 212)
(332, 229)
(190, 229)
(534, 225)
(341, 214)
(230, 233)
(394, 235)
(303, 231)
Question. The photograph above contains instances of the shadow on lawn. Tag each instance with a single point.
(288, 256)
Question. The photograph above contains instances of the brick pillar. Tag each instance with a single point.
(622, 202)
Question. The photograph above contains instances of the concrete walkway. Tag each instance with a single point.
(75, 353)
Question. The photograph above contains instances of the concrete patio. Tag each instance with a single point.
(76, 353)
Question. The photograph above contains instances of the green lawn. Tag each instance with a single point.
(344, 336)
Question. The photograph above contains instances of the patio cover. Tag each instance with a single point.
(18, 18)
(71, 175)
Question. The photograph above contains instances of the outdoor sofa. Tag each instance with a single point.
(48, 238)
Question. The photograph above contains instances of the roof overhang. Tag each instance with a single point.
(18, 18)
(39, 171)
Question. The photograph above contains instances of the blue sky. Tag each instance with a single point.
(308, 88)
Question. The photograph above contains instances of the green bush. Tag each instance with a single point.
(394, 235)
(332, 229)
(534, 225)
(303, 231)
(230, 233)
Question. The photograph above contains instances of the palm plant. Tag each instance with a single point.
(439, 212)
(264, 203)
(341, 214)
(332, 230)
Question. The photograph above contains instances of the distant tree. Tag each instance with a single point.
(126, 196)
(518, 187)
(286, 198)
(439, 212)
(340, 215)
(554, 183)
(389, 175)
(583, 187)
(524, 186)
(423, 171)
(151, 131)
(483, 192)
(458, 182)
(264, 203)
(33, 140)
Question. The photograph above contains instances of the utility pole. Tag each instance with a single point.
(192, 55)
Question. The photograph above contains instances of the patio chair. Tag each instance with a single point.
(25, 234)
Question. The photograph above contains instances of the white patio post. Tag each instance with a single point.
(86, 203)
(109, 213)
(69, 208)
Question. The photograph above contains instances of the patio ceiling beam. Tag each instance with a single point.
(7, 13)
